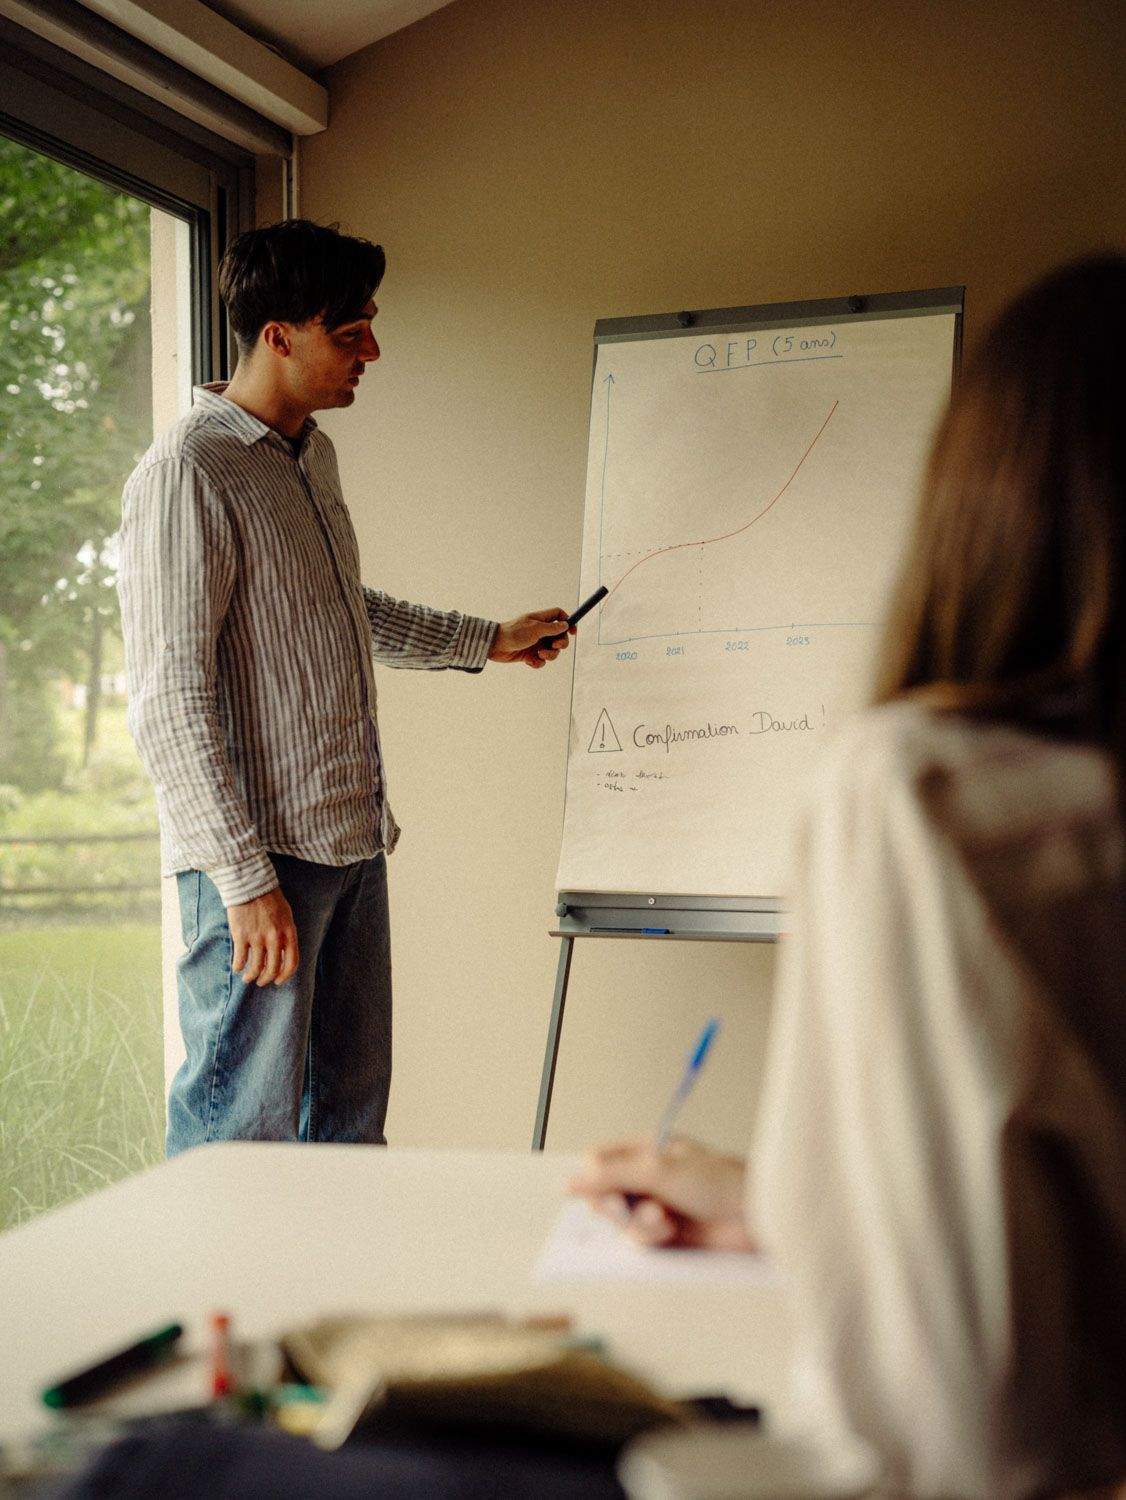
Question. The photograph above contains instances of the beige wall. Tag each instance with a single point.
(530, 166)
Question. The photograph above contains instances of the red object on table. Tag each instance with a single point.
(222, 1381)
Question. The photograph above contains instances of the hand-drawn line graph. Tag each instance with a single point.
(726, 537)
(701, 543)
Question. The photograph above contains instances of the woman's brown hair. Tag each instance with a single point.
(1011, 603)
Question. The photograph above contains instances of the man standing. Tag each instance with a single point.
(249, 640)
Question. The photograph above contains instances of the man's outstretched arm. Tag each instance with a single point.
(416, 636)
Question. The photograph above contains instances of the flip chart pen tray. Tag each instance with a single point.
(749, 919)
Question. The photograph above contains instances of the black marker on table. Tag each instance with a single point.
(86, 1384)
(584, 608)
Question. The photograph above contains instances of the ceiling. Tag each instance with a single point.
(311, 34)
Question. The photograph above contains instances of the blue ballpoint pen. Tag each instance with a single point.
(679, 1094)
(685, 1086)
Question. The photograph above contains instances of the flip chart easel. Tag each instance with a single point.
(867, 397)
(684, 918)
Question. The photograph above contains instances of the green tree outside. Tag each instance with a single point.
(75, 360)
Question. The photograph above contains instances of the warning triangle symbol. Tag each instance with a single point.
(604, 740)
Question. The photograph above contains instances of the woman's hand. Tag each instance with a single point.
(685, 1195)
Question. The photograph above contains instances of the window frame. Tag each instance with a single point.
(65, 108)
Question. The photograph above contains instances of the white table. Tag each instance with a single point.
(279, 1234)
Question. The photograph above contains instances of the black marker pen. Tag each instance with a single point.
(584, 608)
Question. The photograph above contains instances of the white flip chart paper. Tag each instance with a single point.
(748, 502)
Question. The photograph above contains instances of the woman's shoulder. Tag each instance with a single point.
(982, 779)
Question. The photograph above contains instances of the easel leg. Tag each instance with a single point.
(551, 1054)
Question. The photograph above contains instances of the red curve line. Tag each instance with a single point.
(676, 546)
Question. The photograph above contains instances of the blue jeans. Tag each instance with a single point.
(309, 1060)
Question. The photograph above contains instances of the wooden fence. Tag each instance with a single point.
(10, 895)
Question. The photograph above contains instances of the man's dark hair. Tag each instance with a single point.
(295, 271)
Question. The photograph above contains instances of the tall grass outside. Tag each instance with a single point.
(81, 1032)
(81, 1060)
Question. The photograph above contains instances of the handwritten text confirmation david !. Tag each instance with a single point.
(761, 722)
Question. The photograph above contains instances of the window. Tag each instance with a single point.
(112, 214)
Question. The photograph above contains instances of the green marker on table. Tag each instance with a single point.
(99, 1378)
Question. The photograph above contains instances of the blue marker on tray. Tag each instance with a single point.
(636, 931)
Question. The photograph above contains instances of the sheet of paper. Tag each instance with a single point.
(584, 1246)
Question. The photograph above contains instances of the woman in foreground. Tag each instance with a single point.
(940, 1160)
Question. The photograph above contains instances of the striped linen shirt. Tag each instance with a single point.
(249, 640)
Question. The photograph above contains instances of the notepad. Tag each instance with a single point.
(584, 1246)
